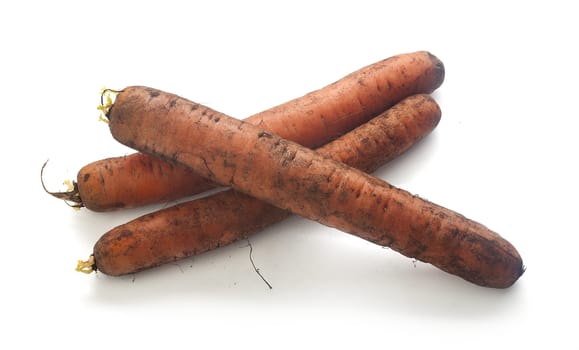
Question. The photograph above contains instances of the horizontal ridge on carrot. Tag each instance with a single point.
(284, 174)
(311, 120)
(200, 225)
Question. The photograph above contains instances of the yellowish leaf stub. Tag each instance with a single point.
(86, 266)
(106, 103)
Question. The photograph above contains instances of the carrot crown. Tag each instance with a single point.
(106, 103)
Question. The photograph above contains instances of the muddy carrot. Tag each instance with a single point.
(283, 173)
(311, 120)
(204, 224)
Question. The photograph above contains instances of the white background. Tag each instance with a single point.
(504, 154)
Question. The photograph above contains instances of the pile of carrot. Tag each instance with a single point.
(311, 156)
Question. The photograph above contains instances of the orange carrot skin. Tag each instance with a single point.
(352, 100)
(263, 165)
(200, 225)
(181, 231)
(311, 120)
(135, 180)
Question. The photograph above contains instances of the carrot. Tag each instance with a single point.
(283, 173)
(200, 225)
(311, 120)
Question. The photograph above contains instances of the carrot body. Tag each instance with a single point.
(135, 180)
(200, 225)
(311, 120)
(283, 173)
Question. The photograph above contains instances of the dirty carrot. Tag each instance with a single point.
(311, 120)
(204, 224)
(283, 173)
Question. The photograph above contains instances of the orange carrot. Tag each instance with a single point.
(200, 225)
(311, 120)
(283, 173)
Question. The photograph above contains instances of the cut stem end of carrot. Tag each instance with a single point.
(71, 196)
(106, 103)
(87, 267)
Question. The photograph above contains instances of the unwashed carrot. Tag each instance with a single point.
(200, 225)
(283, 173)
(311, 120)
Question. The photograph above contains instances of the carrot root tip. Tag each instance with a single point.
(255, 267)
(87, 267)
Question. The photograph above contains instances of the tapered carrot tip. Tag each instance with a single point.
(439, 68)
